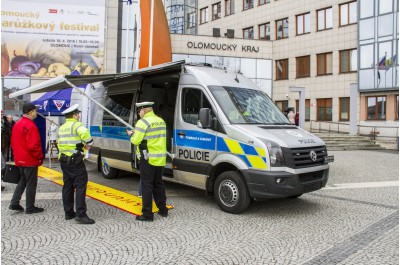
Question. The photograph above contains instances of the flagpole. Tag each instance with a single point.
(378, 74)
(127, 35)
(134, 45)
(151, 33)
(49, 145)
(385, 67)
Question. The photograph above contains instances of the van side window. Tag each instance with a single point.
(120, 105)
(192, 101)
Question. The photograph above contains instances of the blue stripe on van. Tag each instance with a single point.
(221, 145)
(244, 158)
(248, 149)
(111, 132)
(195, 139)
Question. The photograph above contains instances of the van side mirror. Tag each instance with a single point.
(205, 118)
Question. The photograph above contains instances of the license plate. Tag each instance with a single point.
(329, 159)
(312, 187)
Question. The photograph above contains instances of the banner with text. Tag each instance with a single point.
(47, 39)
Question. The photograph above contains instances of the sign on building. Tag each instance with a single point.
(48, 39)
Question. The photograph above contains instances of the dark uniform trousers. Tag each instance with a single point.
(29, 180)
(152, 186)
(74, 177)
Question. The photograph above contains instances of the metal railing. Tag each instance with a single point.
(330, 127)
(372, 131)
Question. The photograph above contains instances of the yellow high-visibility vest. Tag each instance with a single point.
(71, 133)
(151, 138)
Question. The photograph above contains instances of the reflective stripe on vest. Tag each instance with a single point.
(70, 134)
(152, 129)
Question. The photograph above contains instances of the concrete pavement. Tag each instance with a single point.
(355, 220)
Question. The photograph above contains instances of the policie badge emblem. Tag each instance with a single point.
(294, 133)
(313, 155)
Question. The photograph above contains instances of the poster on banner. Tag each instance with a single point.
(47, 39)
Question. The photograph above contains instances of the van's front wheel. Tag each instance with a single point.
(107, 171)
(230, 192)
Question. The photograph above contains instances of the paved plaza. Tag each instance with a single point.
(354, 220)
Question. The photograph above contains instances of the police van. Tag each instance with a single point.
(224, 134)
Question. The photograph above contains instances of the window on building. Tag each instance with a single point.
(397, 107)
(282, 28)
(191, 20)
(303, 66)
(324, 64)
(229, 7)
(216, 11)
(9, 84)
(282, 69)
(348, 13)
(324, 109)
(176, 25)
(376, 108)
(344, 109)
(126, 60)
(264, 31)
(263, 2)
(386, 6)
(324, 19)
(307, 118)
(203, 15)
(282, 104)
(248, 33)
(303, 24)
(348, 61)
(248, 4)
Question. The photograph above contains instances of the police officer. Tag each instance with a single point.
(149, 136)
(73, 139)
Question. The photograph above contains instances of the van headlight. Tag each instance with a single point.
(275, 154)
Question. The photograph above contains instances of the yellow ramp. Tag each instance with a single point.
(119, 199)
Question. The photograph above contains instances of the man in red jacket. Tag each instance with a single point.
(27, 149)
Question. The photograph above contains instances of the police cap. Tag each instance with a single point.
(146, 104)
(71, 110)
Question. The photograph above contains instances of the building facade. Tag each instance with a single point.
(378, 75)
(316, 45)
(324, 47)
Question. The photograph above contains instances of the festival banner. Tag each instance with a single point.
(46, 39)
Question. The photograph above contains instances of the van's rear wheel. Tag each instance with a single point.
(230, 192)
(107, 171)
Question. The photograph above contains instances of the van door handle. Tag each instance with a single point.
(181, 133)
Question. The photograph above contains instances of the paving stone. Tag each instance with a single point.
(337, 226)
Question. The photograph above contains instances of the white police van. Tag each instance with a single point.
(225, 135)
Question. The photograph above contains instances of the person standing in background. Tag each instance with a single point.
(3, 134)
(296, 119)
(3, 169)
(9, 125)
(290, 116)
(3, 147)
(27, 148)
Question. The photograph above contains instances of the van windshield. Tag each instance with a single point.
(248, 106)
